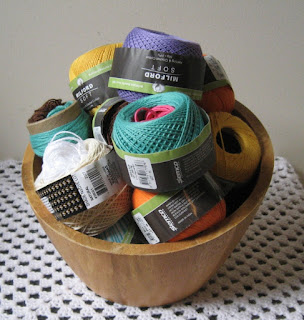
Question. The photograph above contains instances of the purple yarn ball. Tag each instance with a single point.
(159, 41)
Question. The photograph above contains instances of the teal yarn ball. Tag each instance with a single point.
(59, 108)
(81, 126)
(169, 132)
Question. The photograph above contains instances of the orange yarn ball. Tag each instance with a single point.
(212, 217)
(140, 197)
(217, 100)
(220, 98)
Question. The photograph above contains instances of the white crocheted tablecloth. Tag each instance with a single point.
(262, 279)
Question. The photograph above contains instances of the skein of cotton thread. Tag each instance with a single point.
(60, 160)
(169, 132)
(104, 215)
(91, 59)
(67, 117)
(218, 100)
(237, 148)
(142, 38)
(211, 218)
(218, 97)
(65, 154)
(146, 114)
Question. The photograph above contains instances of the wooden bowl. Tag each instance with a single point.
(145, 274)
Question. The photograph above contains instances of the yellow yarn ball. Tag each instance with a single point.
(92, 58)
(237, 148)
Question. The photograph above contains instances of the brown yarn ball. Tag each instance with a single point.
(45, 109)
(110, 119)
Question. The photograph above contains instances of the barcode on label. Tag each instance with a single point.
(97, 181)
(141, 172)
(46, 202)
(145, 228)
(140, 168)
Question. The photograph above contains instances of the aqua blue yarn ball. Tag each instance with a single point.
(169, 132)
(80, 126)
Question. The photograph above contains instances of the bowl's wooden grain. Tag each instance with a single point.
(150, 275)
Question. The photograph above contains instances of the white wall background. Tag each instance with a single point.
(259, 43)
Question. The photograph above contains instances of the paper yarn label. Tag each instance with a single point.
(166, 215)
(145, 228)
(97, 134)
(97, 181)
(216, 68)
(215, 75)
(90, 88)
(140, 172)
(153, 72)
(106, 108)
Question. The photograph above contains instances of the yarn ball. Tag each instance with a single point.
(65, 154)
(158, 41)
(237, 148)
(59, 108)
(110, 119)
(220, 99)
(212, 217)
(42, 112)
(169, 132)
(92, 58)
(63, 157)
(146, 114)
(80, 126)
(140, 197)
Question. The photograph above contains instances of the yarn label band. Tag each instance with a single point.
(169, 170)
(163, 217)
(153, 72)
(83, 189)
(215, 74)
(90, 88)
(99, 117)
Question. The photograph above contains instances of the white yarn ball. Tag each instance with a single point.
(67, 155)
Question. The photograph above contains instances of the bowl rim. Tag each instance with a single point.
(247, 207)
